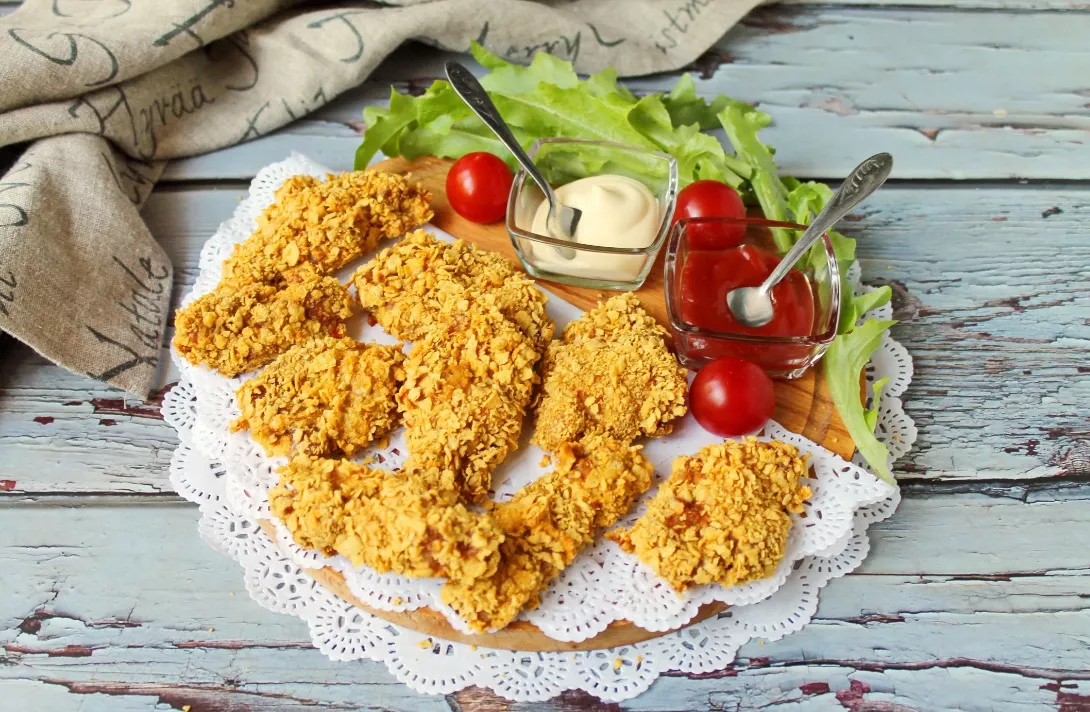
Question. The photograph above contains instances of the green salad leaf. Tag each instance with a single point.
(686, 108)
(842, 364)
(741, 123)
(871, 415)
(547, 98)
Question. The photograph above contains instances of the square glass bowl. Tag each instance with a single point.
(563, 160)
(782, 356)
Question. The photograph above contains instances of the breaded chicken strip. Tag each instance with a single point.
(389, 522)
(610, 375)
(406, 285)
(722, 516)
(547, 524)
(324, 397)
(467, 384)
(237, 330)
(326, 224)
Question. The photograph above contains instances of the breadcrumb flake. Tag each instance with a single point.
(326, 224)
(324, 397)
(722, 516)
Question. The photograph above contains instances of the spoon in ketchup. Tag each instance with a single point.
(752, 306)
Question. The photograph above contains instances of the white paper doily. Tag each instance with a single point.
(229, 476)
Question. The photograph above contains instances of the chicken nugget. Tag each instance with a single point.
(237, 330)
(467, 385)
(406, 286)
(390, 522)
(722, 516)
(609, 375)
(547, 524)
(326, 224)
(324, 397)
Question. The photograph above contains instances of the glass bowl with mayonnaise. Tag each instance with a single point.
(626, 195)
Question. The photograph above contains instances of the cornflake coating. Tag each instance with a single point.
(406, 285)
(389, 522)
(620, 313)
(547, 524)
(467, 385)
(237, 330)
(326, 224)
(722, 516)
(323, 397)
(610, 375)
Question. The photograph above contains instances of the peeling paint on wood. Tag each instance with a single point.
(952, 93)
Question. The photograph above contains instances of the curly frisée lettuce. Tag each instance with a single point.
(548, 99)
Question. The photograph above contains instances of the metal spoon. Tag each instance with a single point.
(752, 306)
(562, 219)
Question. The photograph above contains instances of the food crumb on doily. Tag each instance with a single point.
(473, 648)
(397, 600)
(423, 644)
(617, 663)
(639, 659)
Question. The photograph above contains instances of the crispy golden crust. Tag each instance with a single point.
(406, 285)
(323, 397)
(389, 522)
(326, 224)
(722, 516)
(467, 385)
(547, 524)
(620, 313)
(237, 330)
(610, 375)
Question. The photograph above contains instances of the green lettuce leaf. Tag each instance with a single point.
(842, 364)
(604, 84)
(871, 415)
(507, 78)
(386, 128)
(741, 123)
(686, 108)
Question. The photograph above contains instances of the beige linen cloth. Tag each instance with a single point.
(104, 91)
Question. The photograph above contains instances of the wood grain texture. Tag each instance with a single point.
(951, 93)
(940, 617)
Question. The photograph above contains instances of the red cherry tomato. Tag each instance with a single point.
(478, 185)
(732, 396)
(711, 199)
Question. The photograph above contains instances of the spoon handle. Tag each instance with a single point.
(864, 179)
(474, 95)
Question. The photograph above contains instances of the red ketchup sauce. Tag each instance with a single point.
(705, 278)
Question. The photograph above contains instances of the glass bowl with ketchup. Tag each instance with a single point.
(626, 195)
(708, 257)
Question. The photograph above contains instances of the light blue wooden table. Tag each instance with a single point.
(975, 594)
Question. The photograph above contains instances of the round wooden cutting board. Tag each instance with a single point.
(803, 406)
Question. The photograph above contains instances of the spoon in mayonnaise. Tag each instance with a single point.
(562, 219)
